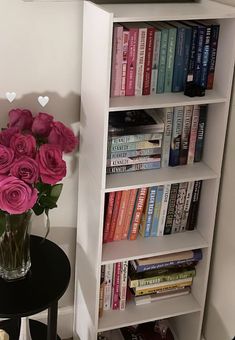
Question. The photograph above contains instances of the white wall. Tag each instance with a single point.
(219, 321)
(40, 54)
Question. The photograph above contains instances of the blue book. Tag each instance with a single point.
(176, 136)
(189, 77)
(187, 51)
(157, 208)
(149, 210)
(162, 57)
(200, 133)
(202, 31)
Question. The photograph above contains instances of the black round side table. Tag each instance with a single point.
(41, 289)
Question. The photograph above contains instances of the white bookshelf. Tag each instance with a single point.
(185, 313)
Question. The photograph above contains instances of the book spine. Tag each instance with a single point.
(163, 284)
(213, 54)
(157, 208)
(133, 167)
(193, 134)
(188, 111)
(133, 160)
(187, 51)
(131, 62)
(181, 195)
(124, 62)
(136, 218)
(162, 61)
(144, 215)
(192, 55)
(129, 213)
(170, 59)
(161, 278)
(205, 58)
(171, 208)
(176, 135)
(135, 153)
(123, 284)
(116, 206)
(161, 294)
(148, 267)
(150, 209)
(134, 138)
(140, 61)
(108, 216)
(155, 64)
(108, 277)
(136, 145)
(170, 286)
(199, 54)
(200, 133)
(116, 61)
(187, 204)
(116, 285)
(166, 143)
(177, 83)
(101, 296)
(193, 212)
(163, 211)
(121, 215)
(148, 61)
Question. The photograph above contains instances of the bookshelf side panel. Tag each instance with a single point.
(97, 36)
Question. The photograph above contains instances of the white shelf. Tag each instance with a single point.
(148, 178)
(162, 12)
(153, 311)
(153, 246)
(163, 100)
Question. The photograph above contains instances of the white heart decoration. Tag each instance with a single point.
(10, 96)
(43, 100)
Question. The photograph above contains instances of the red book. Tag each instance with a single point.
(108, 216)
(148, 61)
(116, 285)
(140, 203)
(121, 215)
(129, 213)
(124, 62)
(131, 59)
(116, 206)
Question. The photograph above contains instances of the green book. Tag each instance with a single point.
(162, 57)
(170, 58)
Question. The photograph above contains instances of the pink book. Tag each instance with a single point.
(193, 134)
(123, 285)
(129, 213)
(108, 216)
(124, 62)
(116, 60)
(116, 285)
(148, 61)
(131, 59)
(114, 215)
(121, 215)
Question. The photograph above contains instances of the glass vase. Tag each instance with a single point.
(14, 245)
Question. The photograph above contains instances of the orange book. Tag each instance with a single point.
(116, 206)
(140, 203)
(121, 215)
(129, 213)
(108, 216)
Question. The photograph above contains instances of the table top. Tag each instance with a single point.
(45, 283)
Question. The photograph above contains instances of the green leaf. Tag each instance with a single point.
(56, 191)
(43, 188)
(47, 202)
(38, 209)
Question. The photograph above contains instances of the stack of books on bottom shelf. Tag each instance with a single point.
(164, 276)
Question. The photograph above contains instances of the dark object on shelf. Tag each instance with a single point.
(43, 286)
(194, 90)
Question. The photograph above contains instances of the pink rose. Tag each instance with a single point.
(42, 124)
(5, 135)
(26, 169)
(23, 145)
(22, 119)
(16, 196)
(63, 137)
(52, 167)
(6, 159)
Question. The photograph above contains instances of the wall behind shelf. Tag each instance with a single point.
(41, 55)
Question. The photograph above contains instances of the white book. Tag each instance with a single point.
(108, 276)
(123, 284)
(187, 204)
(184, 145)
(140, 61)
(167, 117)
(193, 134)
(142, 300)
(155, 64)
(179, 207)
(163, 211)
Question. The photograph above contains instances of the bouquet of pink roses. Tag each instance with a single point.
(31, 163)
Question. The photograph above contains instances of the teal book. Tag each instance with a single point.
(162, 57)
(170, 57)
(157, 209)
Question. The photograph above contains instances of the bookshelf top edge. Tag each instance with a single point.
(205, 9)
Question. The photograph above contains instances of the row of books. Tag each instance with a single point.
(158, 57)
(150, 139)
(164, 276)
(147, 280)
(154, 211)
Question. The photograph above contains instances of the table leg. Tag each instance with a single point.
(52, 321)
